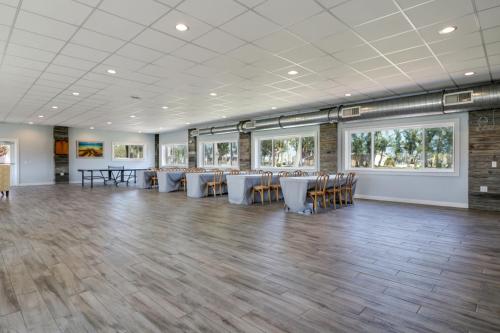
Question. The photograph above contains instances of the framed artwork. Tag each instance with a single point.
(90, 149)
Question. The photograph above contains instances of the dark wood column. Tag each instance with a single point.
(328, 147)
(157, 150)
(245, 151)
(192, 149)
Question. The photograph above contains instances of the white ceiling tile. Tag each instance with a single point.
(144, 11)
(30, 53)
(360, 11)
(37, 41)
(82, 52)
(418, 52)
(279, 41)
(318, 27)
(112, 25)
(384, 27)
(272, 63)
(194, 53)
(63, 10)
(400, 42)
(372, 63)
(44, 26)
(173, 64)
(73, 62)
(212, 12)
(454, 44)
(295, 10)
(489, 17)
(12, 3)
(7, 14)
(340, 41)
(302, 53)
(248, 53)
(167, 25)
(356, 54)
(96, 40)
(492, 35)
(439, 10)
(405, 4)
(158, 41)
(219, 41)
(250, 26)
(493, 48)
(465, 25)
(139, 53)
(485, 4)
(322, 63)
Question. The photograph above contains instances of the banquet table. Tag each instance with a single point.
(295, 191)
(239, 188)
(144, 178)
(197, 184)
(169, 181)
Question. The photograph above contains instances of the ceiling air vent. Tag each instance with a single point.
(462, 97)
(351, 112)
(250, 125)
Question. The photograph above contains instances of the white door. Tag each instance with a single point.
(8, 155)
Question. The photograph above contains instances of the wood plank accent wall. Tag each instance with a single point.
(328, 147)
(245, 151)
(484, 147)
(192, 149)
(61, 154)
(157, 150)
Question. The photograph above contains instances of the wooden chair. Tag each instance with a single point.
(154, 181)
(319, 191)
(336, 189)
(297, 173)
(265, 185)
(277, 187)
(217, 181)
(235, 172)
(347, 188)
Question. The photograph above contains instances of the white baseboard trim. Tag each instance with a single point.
(414, 201)
(35, 184)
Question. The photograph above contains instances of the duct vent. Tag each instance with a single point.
(250, 125)
(351, 112)
(462, 97)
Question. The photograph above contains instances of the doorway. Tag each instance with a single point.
(9, 154)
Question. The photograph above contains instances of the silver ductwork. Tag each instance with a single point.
(459, 100)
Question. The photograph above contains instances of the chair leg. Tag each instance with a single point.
(262, 197)
(352, 197)
(334, 200)
(324, 200)
(269, 195)
(253, 196)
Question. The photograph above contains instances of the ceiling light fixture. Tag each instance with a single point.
(469, 73)
(188, 123)
(273, 108)
(133, 116)
(111, 71)
(213, 94)
(181, 27)
(447, 30)
(76, 93)
(164, 107)
(31, 123)
(40, 116)
(55, 107)
(91, 127)
(293, 73)
(347, 95)
(109, 123)
(224, 116)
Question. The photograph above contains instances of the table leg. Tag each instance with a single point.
(91, 179)
(83, 178)
(135, 176)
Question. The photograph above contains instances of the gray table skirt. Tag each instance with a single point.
(295, 191)
(169, 181)
(240, 189)
(144, 178)
(197, 184)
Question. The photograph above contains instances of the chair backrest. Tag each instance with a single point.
(338, 179)
(283, 174)
(297, 173)
(266, 178)
(350, 179)
(235, 172)
(321, 183)
(218, 175)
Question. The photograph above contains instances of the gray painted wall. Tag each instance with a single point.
(36, 152)
(108, 137)
(176, 137)
(446, 190)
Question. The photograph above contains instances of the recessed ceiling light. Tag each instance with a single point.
(213, 94)
(55, 107)
(447, 30)
(164, 107)
(111, 71)
(91, 127)
(31, 123)
(273, 108)
(40, 116)
(76, 93)
(133, 116)
(469, 73)
(293, 73)
(109, 123)
(224, 116)
(188, 123)
(181, 27)
(347, 95)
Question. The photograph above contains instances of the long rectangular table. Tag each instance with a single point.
(169, 181)
(239, 188)
(197, 184)
(295, 191)
(114, 175)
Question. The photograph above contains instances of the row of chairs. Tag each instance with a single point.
(327, 193)
(266, 184)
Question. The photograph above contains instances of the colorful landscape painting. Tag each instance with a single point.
(89, 149)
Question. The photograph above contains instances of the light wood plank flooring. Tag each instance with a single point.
(126, 260)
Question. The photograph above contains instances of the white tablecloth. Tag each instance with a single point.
(239, 188)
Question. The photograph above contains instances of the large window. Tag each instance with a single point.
(287, 152)
(126, 151)
(223, 154)
(174, 155)
(419, 148)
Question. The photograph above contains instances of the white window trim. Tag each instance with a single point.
(113, 158)
(257, 152)
(164, 145)
(201, 154)
(454, 171)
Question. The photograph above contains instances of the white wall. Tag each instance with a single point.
(108, 137)
(177, 137)
(36, 152)
(444, 190)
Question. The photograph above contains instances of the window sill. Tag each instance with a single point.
(430, 173)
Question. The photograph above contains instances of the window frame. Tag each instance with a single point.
(300, 135)
(214, 143)
(144, 150)
(454, 171)
(164, 146)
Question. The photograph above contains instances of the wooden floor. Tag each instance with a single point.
(126, 260)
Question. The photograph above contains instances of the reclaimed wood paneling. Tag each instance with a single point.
(245, 151)
(192, 149)
(328, 147)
